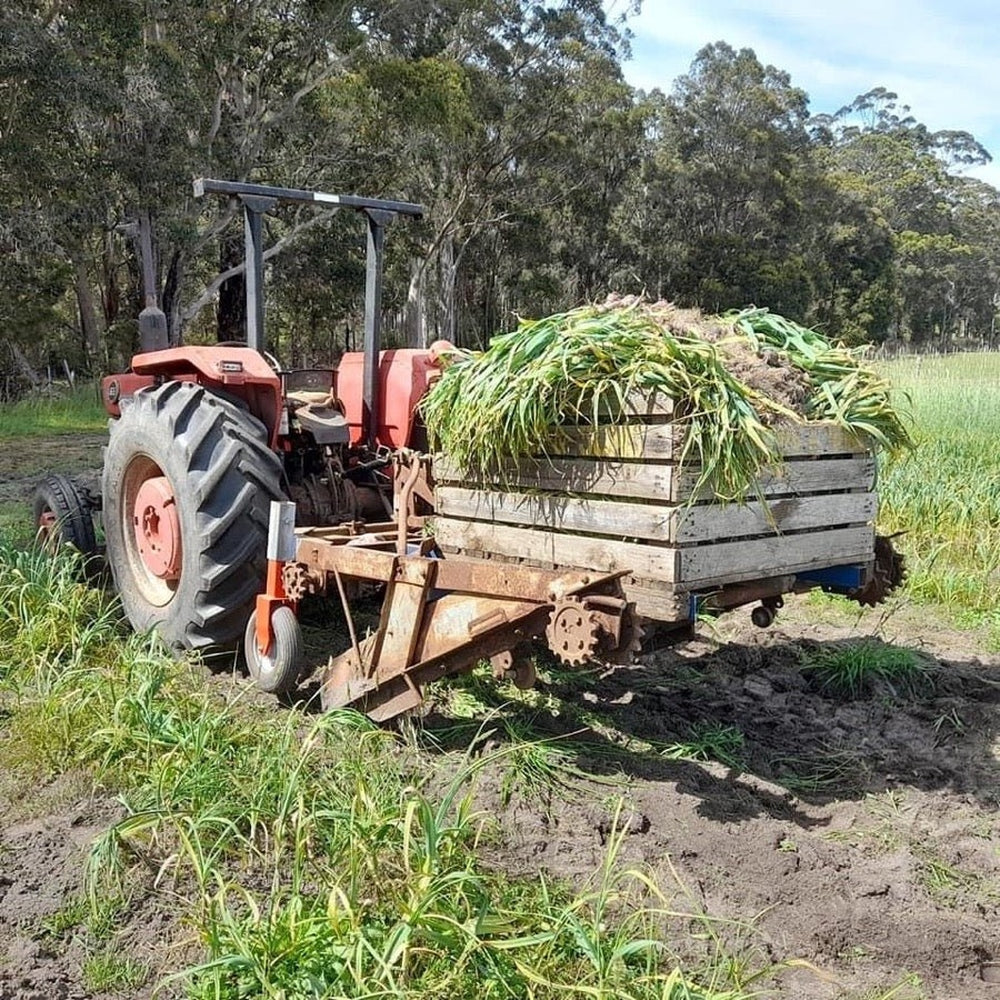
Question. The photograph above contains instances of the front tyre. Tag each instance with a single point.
(64, 515)
(188, 481)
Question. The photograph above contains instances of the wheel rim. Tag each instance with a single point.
(46, 527)
(151, 530)
(266, 663)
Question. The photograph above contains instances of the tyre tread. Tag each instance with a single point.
(232, 476)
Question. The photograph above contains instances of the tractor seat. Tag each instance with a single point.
(309, 397)
(322, 414)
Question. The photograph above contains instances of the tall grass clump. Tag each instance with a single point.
(851, 669)
(587, 365)
(315, 856)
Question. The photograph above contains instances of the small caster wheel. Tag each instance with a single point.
(762, 616)
(278, 671)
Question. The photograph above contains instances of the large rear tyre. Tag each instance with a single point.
(188, 482)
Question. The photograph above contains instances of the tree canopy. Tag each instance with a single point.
(548, 180)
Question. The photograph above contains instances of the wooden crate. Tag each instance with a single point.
(615, 498)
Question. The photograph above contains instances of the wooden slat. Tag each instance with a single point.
(731, 562)
(665, 442)
(654, 562)
(711, 522)
(691, 569)
(659, 602)
(575, 476)
(664, 483)
(816, 440)
(680, 525)
(559, 512)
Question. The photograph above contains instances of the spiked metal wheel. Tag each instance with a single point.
(630, 643)
(573, 632)
(888, 573)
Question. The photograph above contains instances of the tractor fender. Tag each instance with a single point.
(240, 372)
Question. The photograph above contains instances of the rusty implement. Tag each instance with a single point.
(441, 615)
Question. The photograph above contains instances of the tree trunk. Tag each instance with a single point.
(447, 320)
(88, 312)
(231, 319)
(416, 318)
(111, 296)
(171, 293)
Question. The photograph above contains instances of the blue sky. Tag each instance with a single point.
(942, 59)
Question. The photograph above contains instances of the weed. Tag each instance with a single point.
(827, 770)
(532, 768)
(111, 972)
(709, 741)
(948, 884)
(67, 918)
(849, 670)
(884, 834)
(908, 987)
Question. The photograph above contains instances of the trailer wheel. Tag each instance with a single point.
(188, 480)
(63, 515)
(278, 671)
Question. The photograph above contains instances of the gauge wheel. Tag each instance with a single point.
(277, 671)
(187, 486)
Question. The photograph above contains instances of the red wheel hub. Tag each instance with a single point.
(158, 528)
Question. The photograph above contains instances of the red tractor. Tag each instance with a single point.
(204, 438)
(211, 448)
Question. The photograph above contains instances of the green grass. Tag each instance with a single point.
(316, 856)
(850, 670)
(62, 412)
(111, 972)
(946, 494)
(709, 741)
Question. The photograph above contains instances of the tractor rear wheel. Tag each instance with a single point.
(188, 481)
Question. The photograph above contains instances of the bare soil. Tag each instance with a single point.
(24, 462)
(860, 836)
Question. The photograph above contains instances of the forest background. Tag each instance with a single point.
(547, 179)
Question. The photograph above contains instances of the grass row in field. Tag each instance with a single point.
(945, 495)
(311, 855)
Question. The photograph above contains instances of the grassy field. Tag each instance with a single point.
(76, 411)
(946, 494)
(311, 856)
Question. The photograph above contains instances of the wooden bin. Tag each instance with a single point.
(615, 498)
